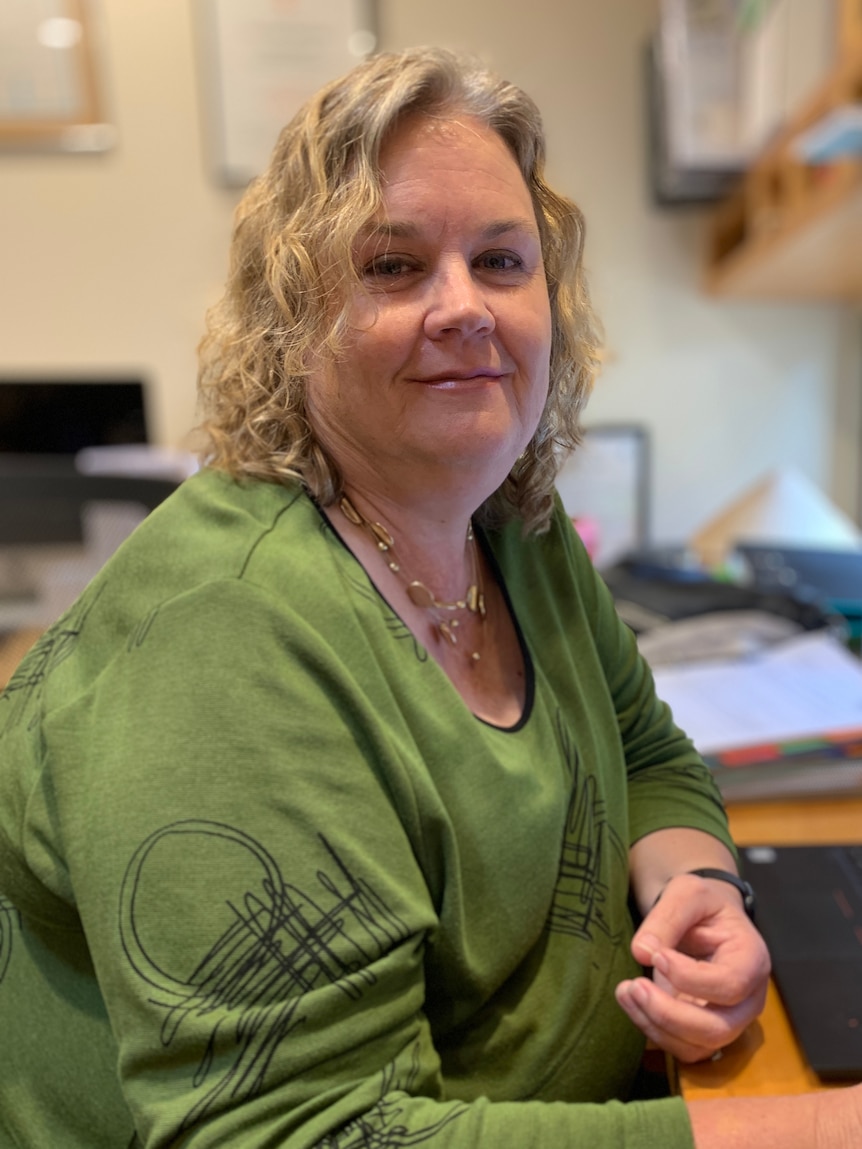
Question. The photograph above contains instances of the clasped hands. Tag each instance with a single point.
(710, 969)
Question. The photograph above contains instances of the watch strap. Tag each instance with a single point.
(744, 887)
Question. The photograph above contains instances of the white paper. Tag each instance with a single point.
(805, 687)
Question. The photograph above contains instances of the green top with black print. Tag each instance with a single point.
(266, 881)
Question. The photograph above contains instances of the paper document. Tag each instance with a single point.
(802, 687)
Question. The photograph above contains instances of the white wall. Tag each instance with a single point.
(109, 261)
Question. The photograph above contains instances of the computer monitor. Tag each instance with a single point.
(58, 417)
(607, 481)
(45, 504)
(44, 423)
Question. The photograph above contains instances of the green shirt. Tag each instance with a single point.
(265, 878)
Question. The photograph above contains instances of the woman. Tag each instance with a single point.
(319, 813)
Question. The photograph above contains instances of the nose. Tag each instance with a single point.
(457, 303)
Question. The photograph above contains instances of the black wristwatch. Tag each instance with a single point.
(748, 901)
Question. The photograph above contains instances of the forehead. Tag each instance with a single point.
(432, 157)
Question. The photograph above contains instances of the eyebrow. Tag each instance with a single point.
(405, 229)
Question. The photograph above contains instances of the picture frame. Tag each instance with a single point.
(50, 95)
(260, 60)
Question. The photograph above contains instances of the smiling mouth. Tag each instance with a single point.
(460, 380)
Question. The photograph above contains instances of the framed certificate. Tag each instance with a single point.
(49, 91)
(261, 59)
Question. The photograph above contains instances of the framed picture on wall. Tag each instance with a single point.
(50, 97)
(261, 59)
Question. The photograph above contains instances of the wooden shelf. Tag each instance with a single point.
(793, 230)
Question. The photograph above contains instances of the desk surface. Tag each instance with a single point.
(13, 647)
(766, 1060)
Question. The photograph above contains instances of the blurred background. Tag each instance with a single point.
(114, 237)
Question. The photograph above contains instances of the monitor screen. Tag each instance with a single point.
(59, 417)
(607, 481)
(44, 422)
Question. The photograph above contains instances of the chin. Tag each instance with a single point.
(489, 458)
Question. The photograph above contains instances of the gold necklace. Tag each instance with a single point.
(419, 594)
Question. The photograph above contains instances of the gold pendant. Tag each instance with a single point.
(447, 632)
(350, 512)
(384, 540)
(420, 595)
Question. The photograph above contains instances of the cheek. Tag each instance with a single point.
(318, 402)
(540, 366)
(383, 346)
(539, 329)
(362, 315)
(539, 342)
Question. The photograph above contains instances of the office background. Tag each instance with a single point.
(110, 260)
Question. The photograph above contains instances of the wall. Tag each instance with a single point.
(109, 261)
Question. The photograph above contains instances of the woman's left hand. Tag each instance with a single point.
(710, 969)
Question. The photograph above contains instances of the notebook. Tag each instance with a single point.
(809, 910)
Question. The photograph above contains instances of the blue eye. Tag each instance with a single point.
(501, 261)
(387, 267)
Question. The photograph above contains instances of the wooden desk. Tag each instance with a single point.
(13, 647)
(767, 1060)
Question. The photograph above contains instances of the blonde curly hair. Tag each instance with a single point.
(291, 272)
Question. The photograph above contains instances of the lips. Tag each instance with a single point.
(462, 376)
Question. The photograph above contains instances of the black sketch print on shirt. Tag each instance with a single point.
(10, 923)
(46, 654)
(382, 1127)
(275, 943)
(138, 635)
(591, 850)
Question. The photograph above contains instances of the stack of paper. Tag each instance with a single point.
(786, 720)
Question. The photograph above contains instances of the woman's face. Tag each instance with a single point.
(446, 371)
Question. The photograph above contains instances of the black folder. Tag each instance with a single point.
(809, 910)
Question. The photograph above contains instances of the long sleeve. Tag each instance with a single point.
(582, 640)
(289, 927)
